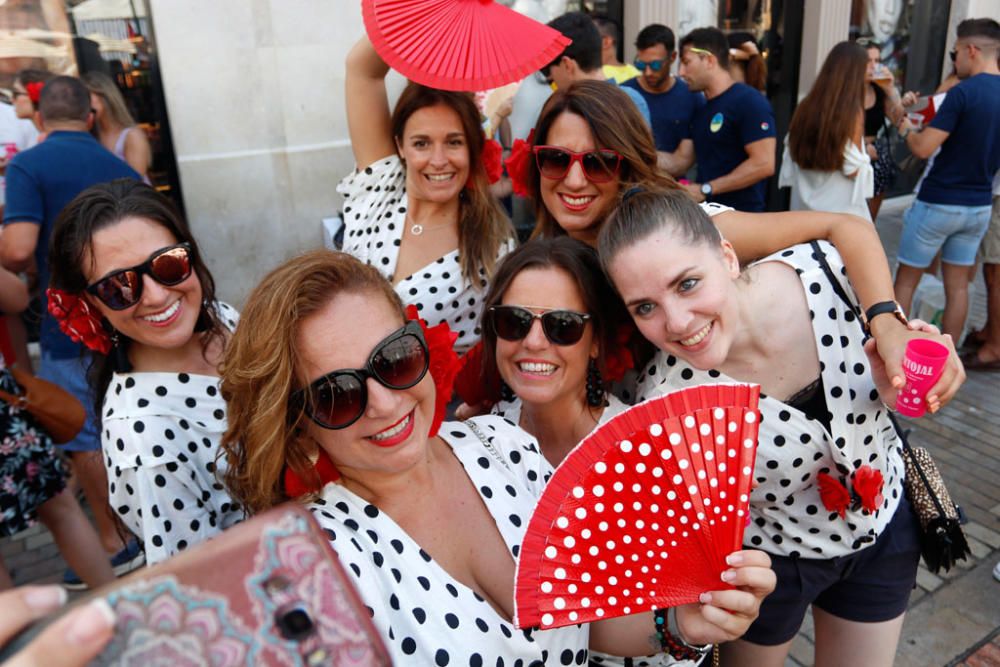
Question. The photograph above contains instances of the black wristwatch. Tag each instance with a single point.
(706, 190)
(883, 308)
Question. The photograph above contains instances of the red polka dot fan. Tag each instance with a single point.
(643, 512)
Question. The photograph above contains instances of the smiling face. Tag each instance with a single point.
(165, 316)
(578, 205)
(435, 149)
(537, 370)
(681, 295)
(391, 434)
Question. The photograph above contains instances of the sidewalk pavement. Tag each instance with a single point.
(954, 618)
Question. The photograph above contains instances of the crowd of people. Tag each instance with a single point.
(651, 266)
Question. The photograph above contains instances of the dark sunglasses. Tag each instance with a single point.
(122, 289)
(599, 166)
(561, 327)
(656, 65)
(339, 398)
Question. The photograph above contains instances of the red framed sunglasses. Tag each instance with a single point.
(599, 166)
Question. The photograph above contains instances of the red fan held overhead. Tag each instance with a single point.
(459, 44)
(642, 514)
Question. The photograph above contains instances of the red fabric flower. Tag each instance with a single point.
(834, 494)
(78, 321)
(325, 472)
(518, 163)
(492, 159)
(618, 360)
(472, 385)
(868, 485)
(445, 363)
(34, 90)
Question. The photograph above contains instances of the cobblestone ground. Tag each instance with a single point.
(954, 619)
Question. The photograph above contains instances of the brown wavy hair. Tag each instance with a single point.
(259, 371)
(828, 116)
(615, 123)
(580, 262)
(483, 227)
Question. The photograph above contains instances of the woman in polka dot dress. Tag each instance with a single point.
(428, 523)
(125, 249)
(829, 506)
(554, 366)
(576, 200)
(418, 207)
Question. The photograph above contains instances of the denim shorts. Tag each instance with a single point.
(954, 230)
(71, 375)
(868, 586)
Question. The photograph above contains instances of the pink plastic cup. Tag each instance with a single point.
(923, 364)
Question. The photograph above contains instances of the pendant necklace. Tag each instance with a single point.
(417, 229)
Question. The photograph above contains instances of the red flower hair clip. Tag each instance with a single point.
(444, 361)
(34, 90)
(78, 321)
(444, 366)
(518, 165)
(618, 360)
(492, 159)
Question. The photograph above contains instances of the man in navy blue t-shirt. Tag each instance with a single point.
(733, 133)
(40, 182)
(671, 103)
(952, 209)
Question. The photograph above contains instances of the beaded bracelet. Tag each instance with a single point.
(673, 644)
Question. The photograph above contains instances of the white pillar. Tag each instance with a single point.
(824, 24)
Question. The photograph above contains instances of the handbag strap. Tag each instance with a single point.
(487, 444)
(907, 450)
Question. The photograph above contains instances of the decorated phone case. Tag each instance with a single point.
(269, 591)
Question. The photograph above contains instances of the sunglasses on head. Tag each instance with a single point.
(599, 166)
(656, 65)
(339, 398)
(561, 327)
(122, 289)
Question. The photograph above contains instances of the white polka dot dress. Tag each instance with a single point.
(160, 437)
(511, 410)
(374, 217)
(424, 615)
(788, 516)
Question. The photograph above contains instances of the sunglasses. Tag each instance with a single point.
(561, 327)
(599, 166)
(123, 288)
(339, 398)
(656, 65)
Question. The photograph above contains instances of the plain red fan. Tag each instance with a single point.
(643, 512)
(459, 44)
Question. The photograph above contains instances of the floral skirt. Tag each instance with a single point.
(31, 470)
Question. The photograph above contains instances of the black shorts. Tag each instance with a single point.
(868, 586)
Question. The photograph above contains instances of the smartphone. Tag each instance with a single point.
(269, 591)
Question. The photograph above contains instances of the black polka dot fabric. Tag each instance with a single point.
(788, 517)
(160, 436)
(511, 410)
(424, 615)
(374, 217)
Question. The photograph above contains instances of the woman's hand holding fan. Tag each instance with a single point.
(722, 616)
(644, 513)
